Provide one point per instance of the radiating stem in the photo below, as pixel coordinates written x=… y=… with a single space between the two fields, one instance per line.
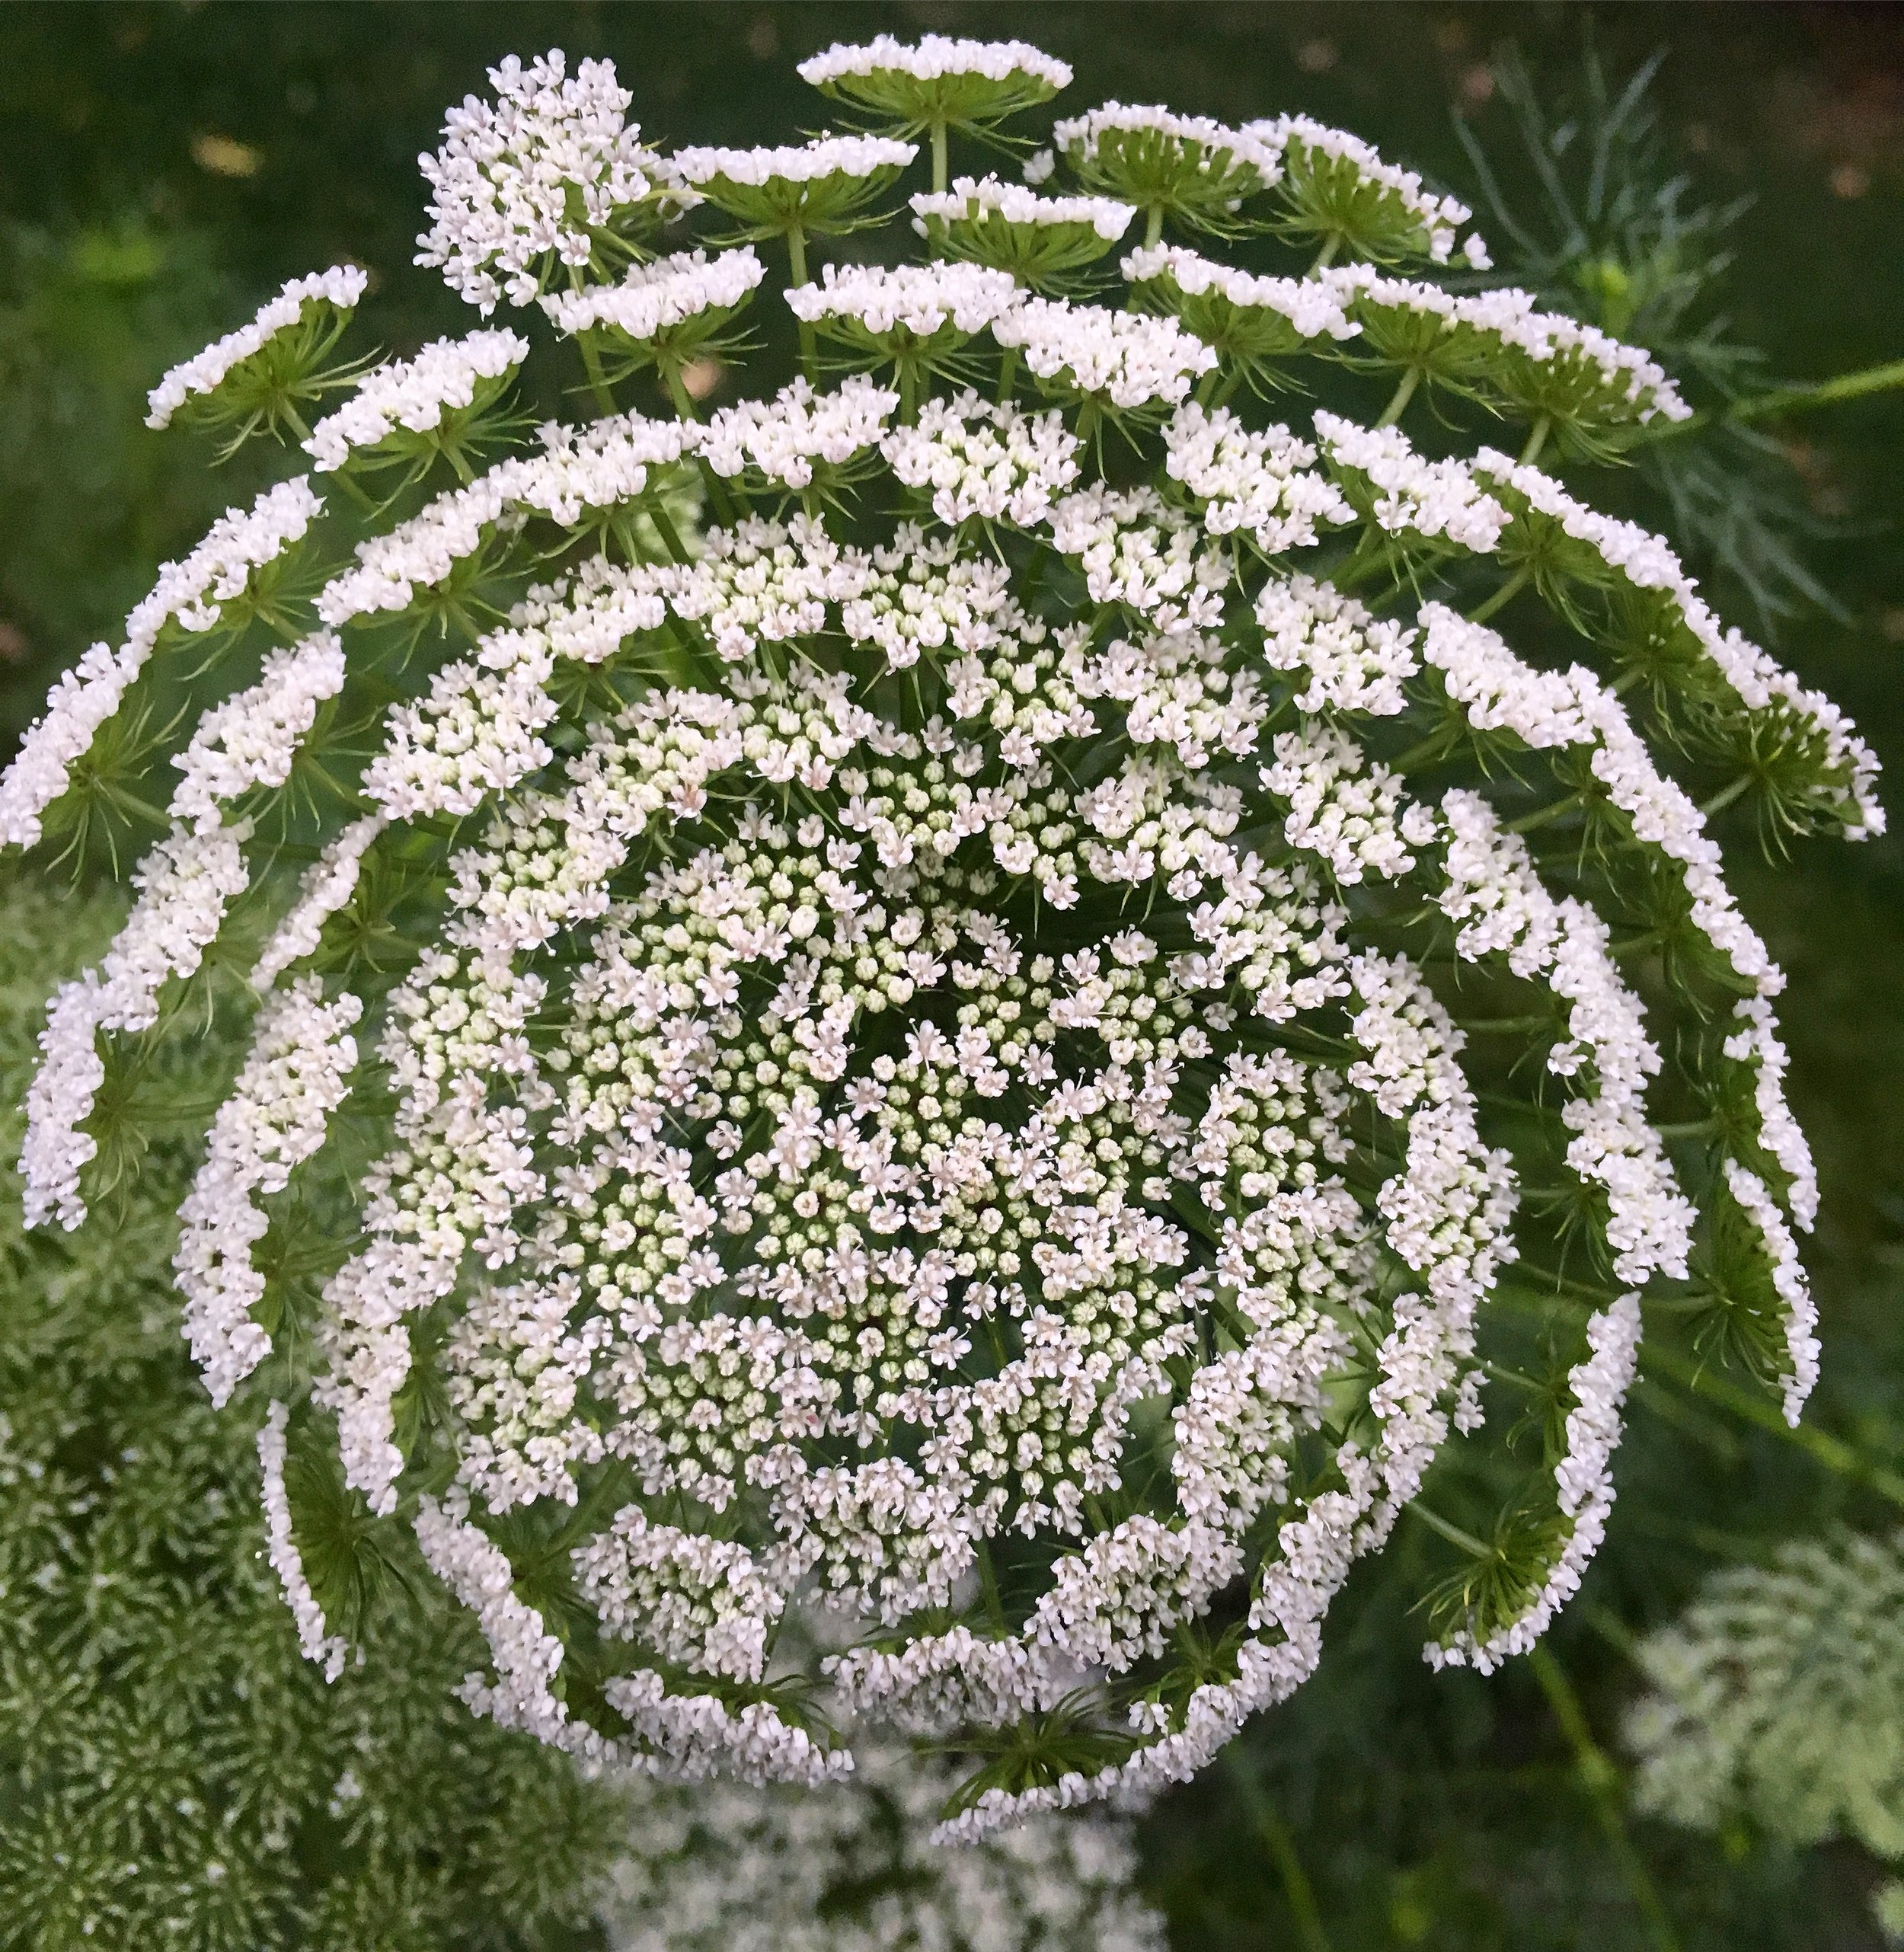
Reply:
x=1542 y=815
x=598 y=380
x=1297 y=1890
x=1885 y=378
x=1511 y=588
x=1398 y=400
x=1326 y=255
x=1600 y=1780
x=796 y=265
x=1008 y=373
x=1536 y=440
x=1466 y=1541
x=1832 y=1453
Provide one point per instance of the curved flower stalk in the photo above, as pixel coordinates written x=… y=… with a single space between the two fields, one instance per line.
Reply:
x=919 y=1097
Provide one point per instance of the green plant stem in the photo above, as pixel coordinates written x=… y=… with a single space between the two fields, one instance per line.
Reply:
x=1268 y=1820
x=1601 y=1780
x=1008 y=373
x=1511 y=588
x=1153 y=227
x=1326 y=255
x=796 y=268
x=1536 y=440
x=1466 y=1541
x=1398 y=400
x=1542 y=815
x=1885 y=378
x=1846 y=1460
x=939 y=176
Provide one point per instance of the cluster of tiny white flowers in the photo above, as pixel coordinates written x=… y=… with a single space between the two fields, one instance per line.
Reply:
x=413 y=394
x=190 y=595
x=901 y=1006
x=804 y=162
x=1583 y=1487
x=296 y=1074
x=921 y=299
x=1313 y=306
x=934 y=56
x=203 y=374
x=329 y=1651
x=1798 y=1311
x=997 y=463
x=504 y=180
x=1127 y=359
x=1439 y=216
x=654 y=297
x=989 y=196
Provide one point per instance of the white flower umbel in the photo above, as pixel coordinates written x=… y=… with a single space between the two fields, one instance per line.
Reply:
x=340 y=288
x=1644 y=561
x=1797 y=1310
x=277 y=1115
x=973 y=199
x=935 y=57
x=725 y=1869
x=1261 y=484
x=527 y=178
x=921 y=299
x=414 y=394
x=328 y=885
x=781 y=440
x=653 y=297
x=1582 y=1483
x=190 y=595
x=1312 y=307
x=907 y=1000
x=1121 y=359
x=1434 y=221
x=992 y=462
x=328 y=1651
x=252 y=738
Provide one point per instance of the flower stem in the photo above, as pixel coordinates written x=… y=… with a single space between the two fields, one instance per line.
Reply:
x=1600 y=1780
x=938 y=158
x=1541 y=815
x=797 y=265
x=1297 y=1890
x=1466 y=1541
x=1845 y=1460
x=1511 y=588
x=1153 y=227
x=1536 y=440
x=1885 y=378
x=1398 y=400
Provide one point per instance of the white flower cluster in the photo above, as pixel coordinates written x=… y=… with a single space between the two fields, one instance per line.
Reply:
x=654 y=297
x=528 y=177
x=294 y=1078
x=1440 y=217
x=728 y=1869
x=1124 y=359
x=933 y=57
x=911 y=1024
x=190 y=595
x=799 y=163
x=330 y=1651
x=1312 y=306
x=921 y=299
x=972 y=197
x=1583 y=1487
x=203 y=373
x=413 y=394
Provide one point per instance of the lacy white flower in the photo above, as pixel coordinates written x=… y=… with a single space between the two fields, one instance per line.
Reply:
x=898 y=948
x=514 y=176
x=934 y=57
x=413 y=394
x=653 y=297
x=203 y=373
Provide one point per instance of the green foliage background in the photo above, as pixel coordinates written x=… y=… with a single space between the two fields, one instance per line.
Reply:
x=163 y=166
